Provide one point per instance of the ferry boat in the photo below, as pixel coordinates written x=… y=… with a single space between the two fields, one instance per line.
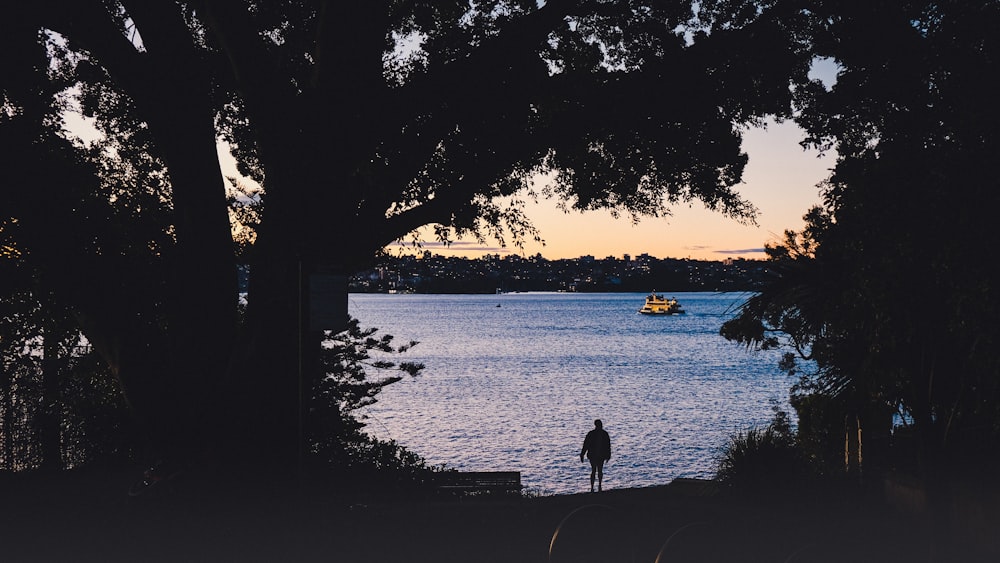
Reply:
x=660 y=305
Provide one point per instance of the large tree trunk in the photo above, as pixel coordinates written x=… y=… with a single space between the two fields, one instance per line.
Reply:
x=279 y=361
x=268 y=385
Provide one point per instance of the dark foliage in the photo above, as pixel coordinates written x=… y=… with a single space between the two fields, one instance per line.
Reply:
x=342 y=457
x=95 y=427
x=764 y=462
x=60 y=407
x=452 y=108
x=890 y=289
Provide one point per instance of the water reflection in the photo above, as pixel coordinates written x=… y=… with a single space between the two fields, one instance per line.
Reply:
x=516 y=387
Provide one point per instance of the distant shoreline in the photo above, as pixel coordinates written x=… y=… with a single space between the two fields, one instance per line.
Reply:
x=549 y=291
x=492 y=274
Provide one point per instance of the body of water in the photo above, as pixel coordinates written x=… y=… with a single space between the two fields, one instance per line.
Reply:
x=513 y=382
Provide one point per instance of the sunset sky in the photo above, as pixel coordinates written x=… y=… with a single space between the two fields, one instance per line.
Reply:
x=780 y=179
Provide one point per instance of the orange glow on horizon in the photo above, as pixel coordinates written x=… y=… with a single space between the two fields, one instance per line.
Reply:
x=780 y=179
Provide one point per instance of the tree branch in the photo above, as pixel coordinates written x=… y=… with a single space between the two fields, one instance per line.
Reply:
x=261 y=82
x=88 y=24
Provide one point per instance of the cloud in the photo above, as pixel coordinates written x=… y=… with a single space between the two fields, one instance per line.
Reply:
x=742 y=251
x=731 y=251
x=459 y=246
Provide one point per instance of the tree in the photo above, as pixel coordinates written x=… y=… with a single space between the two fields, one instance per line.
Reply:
x=335 y=437
x=363 y=121
x=893 y=294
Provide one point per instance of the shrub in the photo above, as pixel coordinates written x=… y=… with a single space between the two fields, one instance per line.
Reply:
x=762 y=461
x=343 y=458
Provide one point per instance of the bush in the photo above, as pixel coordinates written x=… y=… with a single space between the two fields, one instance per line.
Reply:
x=762 y=461
x=343 y=459
x=356 y=464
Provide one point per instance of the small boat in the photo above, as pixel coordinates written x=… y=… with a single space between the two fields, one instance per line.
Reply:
x=660 y=305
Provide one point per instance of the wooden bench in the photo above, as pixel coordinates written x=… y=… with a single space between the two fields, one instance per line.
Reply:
x=478 y=482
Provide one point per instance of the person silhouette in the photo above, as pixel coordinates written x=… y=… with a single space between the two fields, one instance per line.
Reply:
x=597 y=448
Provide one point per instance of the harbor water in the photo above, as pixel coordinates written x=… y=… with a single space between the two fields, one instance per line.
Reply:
x=514 y=381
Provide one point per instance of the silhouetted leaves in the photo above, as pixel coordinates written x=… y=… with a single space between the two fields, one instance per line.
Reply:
x=890 y=287
x=362 y=121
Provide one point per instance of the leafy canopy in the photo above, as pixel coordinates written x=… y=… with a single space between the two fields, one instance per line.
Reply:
x=890 y=288
x=361 y=121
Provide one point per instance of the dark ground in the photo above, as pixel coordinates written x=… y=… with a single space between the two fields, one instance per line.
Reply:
x=89 y=517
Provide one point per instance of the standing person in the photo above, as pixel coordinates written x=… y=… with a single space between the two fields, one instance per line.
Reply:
x=597 y=447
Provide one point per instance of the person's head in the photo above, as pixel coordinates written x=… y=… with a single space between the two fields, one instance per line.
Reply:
x=598 y=423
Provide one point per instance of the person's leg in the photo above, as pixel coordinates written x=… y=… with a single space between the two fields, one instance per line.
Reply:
x=600 y=474
x=593 y=471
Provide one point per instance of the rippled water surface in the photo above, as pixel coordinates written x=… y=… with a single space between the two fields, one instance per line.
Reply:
x=514 y=382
